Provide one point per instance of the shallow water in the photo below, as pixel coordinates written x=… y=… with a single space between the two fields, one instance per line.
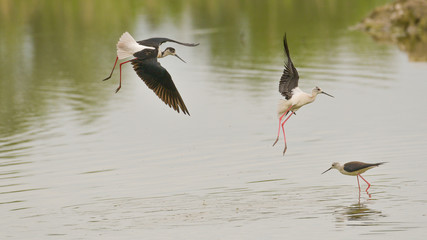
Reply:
x=78 y=161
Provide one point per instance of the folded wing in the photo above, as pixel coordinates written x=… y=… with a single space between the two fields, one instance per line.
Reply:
x=356 y=166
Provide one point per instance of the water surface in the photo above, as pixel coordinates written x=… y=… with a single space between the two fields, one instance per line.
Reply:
x=78 y=161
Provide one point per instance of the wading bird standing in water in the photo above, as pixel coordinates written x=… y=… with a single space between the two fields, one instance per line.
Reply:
x=354 y=169
x=295 y=97
x=149 y=69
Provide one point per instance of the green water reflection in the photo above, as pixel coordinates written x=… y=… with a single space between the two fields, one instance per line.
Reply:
x=53 y=53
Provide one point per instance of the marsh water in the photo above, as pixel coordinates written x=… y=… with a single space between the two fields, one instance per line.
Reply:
x=78 y=161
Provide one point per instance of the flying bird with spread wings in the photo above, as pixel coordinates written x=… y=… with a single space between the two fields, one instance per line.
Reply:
x=157 y=78
x=295 y=98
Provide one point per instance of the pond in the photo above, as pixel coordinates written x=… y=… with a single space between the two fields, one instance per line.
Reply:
x=78 y=161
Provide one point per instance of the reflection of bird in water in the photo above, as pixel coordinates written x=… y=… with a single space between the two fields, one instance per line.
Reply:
x=354 y=169
x=149 y=69
x=295 y=97
x=358 y=212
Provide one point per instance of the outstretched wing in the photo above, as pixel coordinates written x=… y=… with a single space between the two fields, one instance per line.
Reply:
x=289 y=79
x=159 y=80
x=156 y=42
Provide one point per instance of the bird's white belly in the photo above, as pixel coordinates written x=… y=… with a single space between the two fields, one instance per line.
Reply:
x=283 y=106
x=297 y=101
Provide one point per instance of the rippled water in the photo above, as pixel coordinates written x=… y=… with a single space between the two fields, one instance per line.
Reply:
x=80 y=162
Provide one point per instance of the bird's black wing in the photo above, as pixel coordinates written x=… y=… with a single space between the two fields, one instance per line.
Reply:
x=146 y=54
x=156 y=42
x=159 y=80
x=355 y=166
x=289 y=79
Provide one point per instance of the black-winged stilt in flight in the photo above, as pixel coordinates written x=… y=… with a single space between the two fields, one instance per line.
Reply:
x=295 y=98
x=149 y=69
x=354 y=169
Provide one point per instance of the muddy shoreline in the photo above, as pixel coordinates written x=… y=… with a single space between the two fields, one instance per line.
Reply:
x=403 y=22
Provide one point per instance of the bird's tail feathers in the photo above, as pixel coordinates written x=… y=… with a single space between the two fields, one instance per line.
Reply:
x=127 y=46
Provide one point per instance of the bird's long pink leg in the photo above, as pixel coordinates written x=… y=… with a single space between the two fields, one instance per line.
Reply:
x=284 y=136
x=358 y=184
x=280 y=121
x=369 y=185
x=117 y=58
x=120 y=83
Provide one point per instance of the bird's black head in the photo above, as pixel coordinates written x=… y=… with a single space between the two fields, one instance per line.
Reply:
x=170 y=51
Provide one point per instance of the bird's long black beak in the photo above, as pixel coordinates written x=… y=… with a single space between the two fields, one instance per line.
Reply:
x=328 y=94
x=176 y=55
x=327 y=170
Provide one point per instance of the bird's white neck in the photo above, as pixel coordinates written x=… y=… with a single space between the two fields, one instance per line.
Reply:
x=340 y=168
x=160 y=54
x=311 y=97
x=314 y=94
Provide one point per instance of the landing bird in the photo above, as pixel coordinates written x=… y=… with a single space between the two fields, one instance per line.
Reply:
x=149 y=69
x=295 y=97
x=354 y=169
